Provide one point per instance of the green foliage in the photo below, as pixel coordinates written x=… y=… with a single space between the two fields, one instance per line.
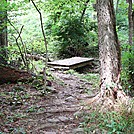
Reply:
x=32 y=109
x=19 y=130
x=127 y=51
x=67 y=36
x=93 y=78
x=32 y=40
x=115 y=123
x=70 y=36
x=121 y=15
x=122 y=22
x=128 y=67
x=36 y=47
x=70 y=71
x=110 y=123
x=3 y=5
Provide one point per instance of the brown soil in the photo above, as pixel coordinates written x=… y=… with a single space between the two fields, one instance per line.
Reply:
x=24 y=110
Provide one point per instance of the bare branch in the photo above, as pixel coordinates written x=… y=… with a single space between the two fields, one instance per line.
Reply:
x=24 y=58
x=45 y=42
x=130 y=20
x=84 y=10
x=16 y=39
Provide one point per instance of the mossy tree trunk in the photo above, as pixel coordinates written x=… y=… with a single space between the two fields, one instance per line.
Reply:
x=109 y=48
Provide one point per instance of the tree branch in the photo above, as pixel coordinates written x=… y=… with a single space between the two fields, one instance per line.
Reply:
x=130 y=20
x=24 y=58
x=16 y=39
x=84 y=10
x=117 y=6
x=45 y=42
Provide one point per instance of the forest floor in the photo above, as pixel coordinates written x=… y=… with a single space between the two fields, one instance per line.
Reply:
x=24 y=110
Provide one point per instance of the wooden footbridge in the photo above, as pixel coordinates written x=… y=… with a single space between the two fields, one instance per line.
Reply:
x=71 y=63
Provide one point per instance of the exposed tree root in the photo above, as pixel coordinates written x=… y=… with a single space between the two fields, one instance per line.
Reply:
x=107 y=102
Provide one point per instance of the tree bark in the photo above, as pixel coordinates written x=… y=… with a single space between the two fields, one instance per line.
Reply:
x=133 y=25
x=133 y=22
x=131 y=30
x=3 y=36
x=130 y=21
x=109 y=48
x=12 y=75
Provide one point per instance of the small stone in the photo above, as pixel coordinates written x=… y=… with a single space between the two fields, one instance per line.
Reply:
x=47 y=126
x=77 y=114
x=70 y=98
x=48 y=115
x=63 y=118
x=78 y=131
x=50 y=132
x=53 y=120
x=97 y=131
x=51 y=89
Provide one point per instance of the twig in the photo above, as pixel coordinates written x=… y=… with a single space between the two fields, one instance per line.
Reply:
x=16 y=39
x=117 y=6
x=45 y=43
x=24 y=58
x=84 y=10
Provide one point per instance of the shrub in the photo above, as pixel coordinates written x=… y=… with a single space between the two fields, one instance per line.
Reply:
x=128 y=68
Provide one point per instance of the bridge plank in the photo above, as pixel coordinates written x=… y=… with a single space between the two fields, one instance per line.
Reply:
x=71 y=63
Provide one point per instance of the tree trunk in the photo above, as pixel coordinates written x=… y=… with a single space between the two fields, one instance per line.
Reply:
x=131 y=30
x=133 y=23
x=117 y=4
x=109 y=48
x=3 y=37
x=130 y=21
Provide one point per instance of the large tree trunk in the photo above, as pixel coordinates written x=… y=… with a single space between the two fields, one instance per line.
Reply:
x=3 y=36
x=109 y=48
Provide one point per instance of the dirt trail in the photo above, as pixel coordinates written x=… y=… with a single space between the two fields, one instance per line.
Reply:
x=57 y=113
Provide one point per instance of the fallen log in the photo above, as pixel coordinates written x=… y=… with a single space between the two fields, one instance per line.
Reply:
x=10 y=74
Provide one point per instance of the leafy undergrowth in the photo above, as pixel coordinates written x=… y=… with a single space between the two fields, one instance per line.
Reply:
x=18 y=100
x=15 y=103
x=108 y=123
x=110 y=116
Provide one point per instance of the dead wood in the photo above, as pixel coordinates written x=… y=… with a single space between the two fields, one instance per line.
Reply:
x=10 y=74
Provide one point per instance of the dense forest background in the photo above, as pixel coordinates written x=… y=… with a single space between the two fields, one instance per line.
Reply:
x=70 y=28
